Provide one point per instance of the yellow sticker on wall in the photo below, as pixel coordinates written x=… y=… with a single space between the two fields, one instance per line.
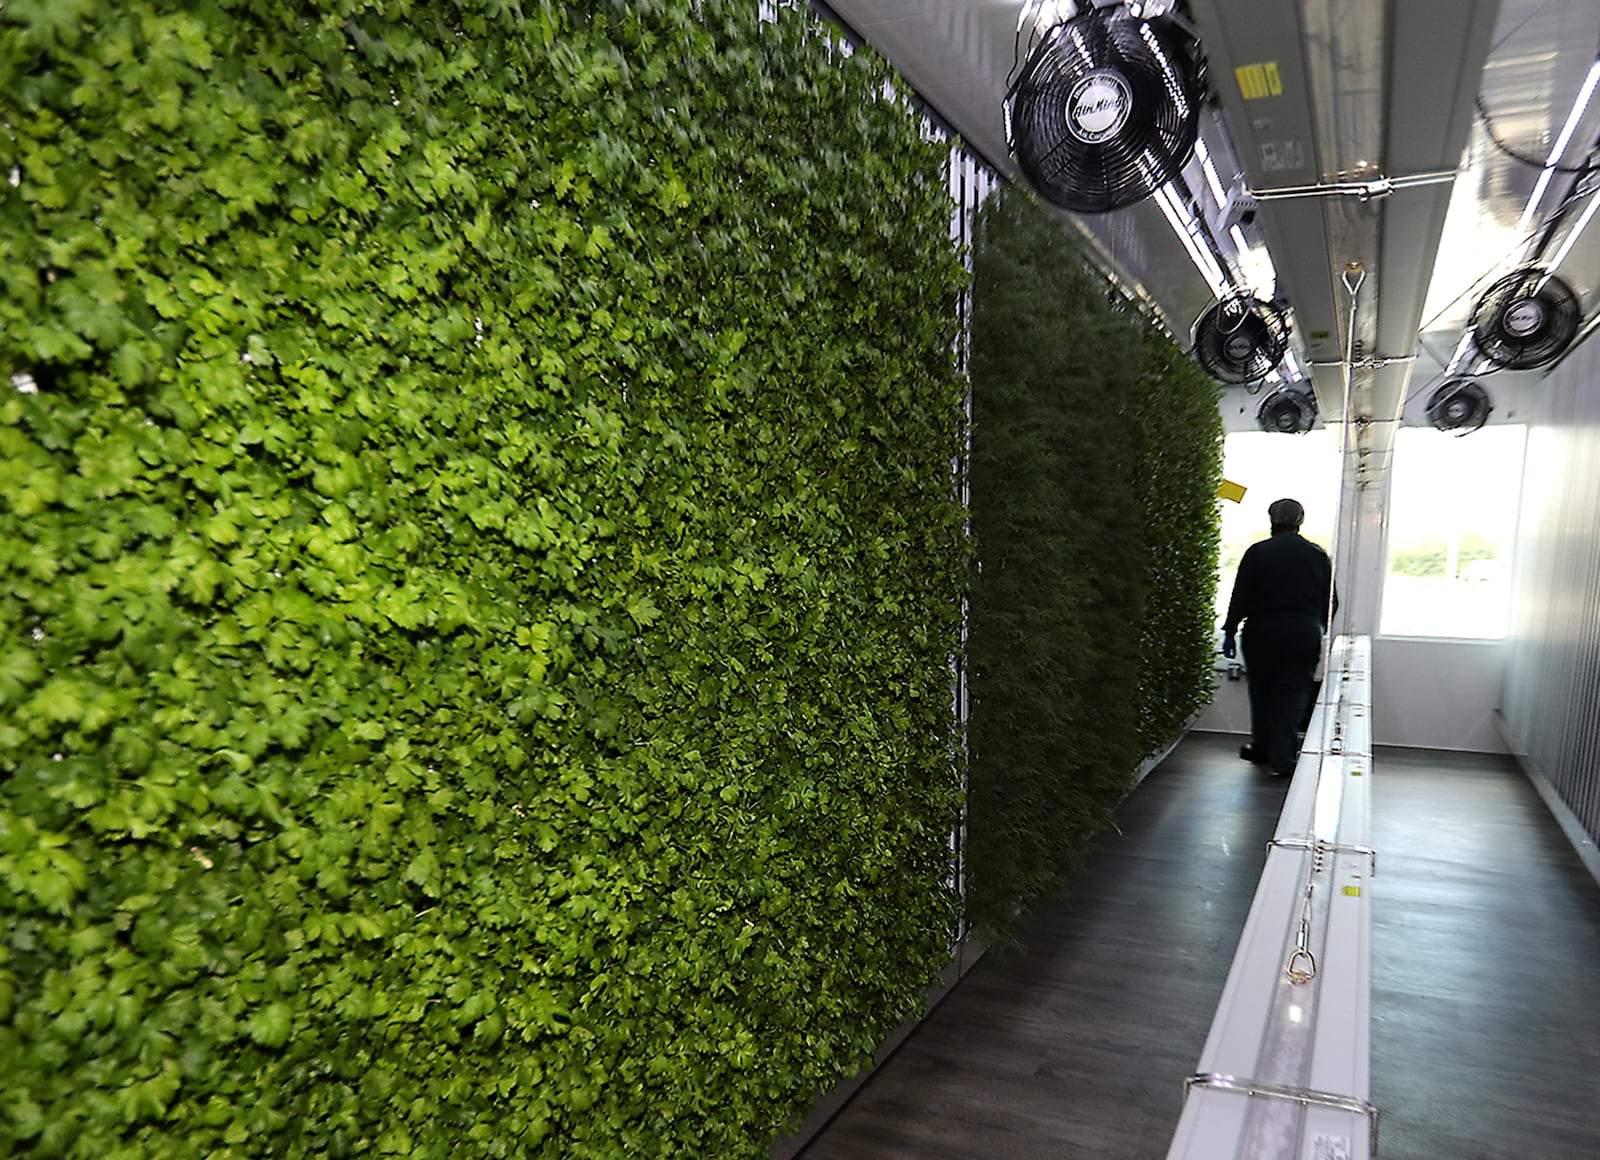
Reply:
x=1231 y=490
x=1353 y=891
x=1259 y=80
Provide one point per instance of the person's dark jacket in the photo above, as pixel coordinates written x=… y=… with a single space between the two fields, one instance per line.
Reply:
x=1285 y=574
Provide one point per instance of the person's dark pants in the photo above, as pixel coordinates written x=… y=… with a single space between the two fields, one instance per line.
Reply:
x=1280 y=654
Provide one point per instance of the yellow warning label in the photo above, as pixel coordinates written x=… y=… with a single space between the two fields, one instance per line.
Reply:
x=1259 y=80
x=1353 y=891
x=1231 y=490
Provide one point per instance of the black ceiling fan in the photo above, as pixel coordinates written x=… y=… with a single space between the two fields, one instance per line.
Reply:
x=1106 y=109
x=1289 y=410
x=1461 y=405
x=1526 y=319
x=1241 y=339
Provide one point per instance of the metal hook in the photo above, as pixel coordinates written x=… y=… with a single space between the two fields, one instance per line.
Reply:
x=1302 y=964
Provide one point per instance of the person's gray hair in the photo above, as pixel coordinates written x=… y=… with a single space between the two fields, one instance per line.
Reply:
x=1286 y=513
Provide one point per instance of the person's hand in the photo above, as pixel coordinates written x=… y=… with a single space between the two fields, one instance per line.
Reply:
x=1230 y=649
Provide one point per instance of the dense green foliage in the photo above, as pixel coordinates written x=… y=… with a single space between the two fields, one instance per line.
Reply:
x=1096 y=459
x=479 y=575
x=1176 y=430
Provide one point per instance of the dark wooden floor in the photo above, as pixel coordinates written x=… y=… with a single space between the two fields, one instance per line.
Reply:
x=1485 y=968
x=1485 y=1001
x=1078 y=1043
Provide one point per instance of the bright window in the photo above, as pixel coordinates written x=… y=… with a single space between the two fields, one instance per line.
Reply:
x=1452 y=521
x=1272 y=466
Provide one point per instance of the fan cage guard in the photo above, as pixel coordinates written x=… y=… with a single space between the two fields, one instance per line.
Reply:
x=1526 y=319
x=1241 y=339
x=1460 y=405
x=1287 y=411
x=1106 y=110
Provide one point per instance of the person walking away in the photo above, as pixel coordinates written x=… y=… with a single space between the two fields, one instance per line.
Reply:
x=1282 y=595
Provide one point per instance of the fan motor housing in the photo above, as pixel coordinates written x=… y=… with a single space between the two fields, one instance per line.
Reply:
x=1098 y=106
x=1524 y=317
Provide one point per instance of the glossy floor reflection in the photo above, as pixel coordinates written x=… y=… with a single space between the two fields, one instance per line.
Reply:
x=1485 y=1001
x=1485 y=968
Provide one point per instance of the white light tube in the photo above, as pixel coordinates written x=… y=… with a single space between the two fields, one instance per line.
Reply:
x=1210 y=170
x=1175 y=216
x=1461 y=351
x=1572 y=234
x=1560 y=147
x=1178 y=219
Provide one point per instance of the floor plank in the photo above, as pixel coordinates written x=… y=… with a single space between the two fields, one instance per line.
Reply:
x=1485 y=967
x=1486 y=980
x=1077 y=1043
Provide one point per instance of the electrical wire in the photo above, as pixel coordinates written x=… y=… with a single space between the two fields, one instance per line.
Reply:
x=1016 y=57
x=1540 y=239
x=1576 y=192
x=1515 y=155
x=1236 y=299
x=1505 y=259
x=1029 y=18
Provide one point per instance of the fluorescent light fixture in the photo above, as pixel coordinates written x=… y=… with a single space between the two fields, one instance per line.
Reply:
x=1183 y=224
x=1292 y=361
x=1213 y=180
x=1255 y=264
x=1462 y=349
x=1560 y=147
x=1046 y=14
x=1572 y=235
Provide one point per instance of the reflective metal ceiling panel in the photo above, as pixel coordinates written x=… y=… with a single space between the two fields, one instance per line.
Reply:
x=1539 y=56
x=1367 y=89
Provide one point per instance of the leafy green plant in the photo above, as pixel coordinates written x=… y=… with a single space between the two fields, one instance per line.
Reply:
x=480 y=573
x=1096 y=458
x=1177 y=430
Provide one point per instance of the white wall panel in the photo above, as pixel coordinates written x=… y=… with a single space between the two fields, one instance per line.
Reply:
x=1551 y=697
x=1437 y=694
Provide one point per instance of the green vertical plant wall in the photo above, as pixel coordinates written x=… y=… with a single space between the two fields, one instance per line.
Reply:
x=1095 y=463
x=479 y=575
x=1177 y=434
